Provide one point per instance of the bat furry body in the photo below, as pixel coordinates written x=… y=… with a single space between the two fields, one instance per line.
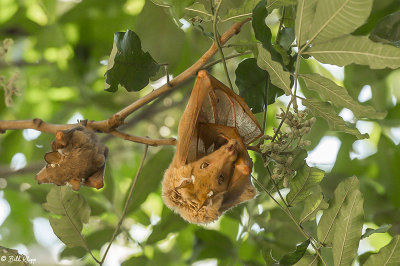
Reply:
x=77 y=158
x=210 y=172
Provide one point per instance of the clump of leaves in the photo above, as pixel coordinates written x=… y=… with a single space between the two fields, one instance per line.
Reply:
x=9 y=86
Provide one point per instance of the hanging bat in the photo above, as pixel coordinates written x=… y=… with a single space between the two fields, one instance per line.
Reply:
x=210 y=172
x=77 y=158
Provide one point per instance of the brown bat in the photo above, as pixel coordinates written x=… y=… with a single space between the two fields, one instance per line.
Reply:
x=210 y=172
x=77 y=158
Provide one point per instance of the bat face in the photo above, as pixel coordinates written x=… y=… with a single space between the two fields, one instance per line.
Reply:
x=210 y=172
x=198 y=188
x=77 y=158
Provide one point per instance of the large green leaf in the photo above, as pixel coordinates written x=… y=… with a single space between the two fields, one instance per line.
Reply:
x=387 y=30
x=128 y=65
x=295 y=256
x=301 y=186
x=251 y=81
x=74 y=212
x=278 y=76
x=308 y=260
x=335 y=122
x=304 y=17
x=348 y=228
x=330 y=215
x=356 y=49
x=388 y=255
x=334 y=18
x=312 y=205
x=330 y=91
x=150 y=177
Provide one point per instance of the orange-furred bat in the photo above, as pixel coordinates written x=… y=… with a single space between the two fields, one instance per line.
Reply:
x=210 y=172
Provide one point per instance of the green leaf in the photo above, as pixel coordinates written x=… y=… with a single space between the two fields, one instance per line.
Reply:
x=150 y=178
x=98 y=238
x=308 y=260
x=273 y=4
x=77 y=252
x=356 y=49
x=382 y=229
x=210 y=248
x=128 y=64
x=286 y=38
x=295 y=256
x=74 y=212
x=141 y=260
x=387 y=30
x=304 y=17
x=312 y=205
x=335 y=18
x=302 y=184
x=246 y=8
x=330 y=215
x=330 y=91
x=388 y=255
x=335 y=122
x=170 y=222
x=262 y=31
x=251 y=81
x=9 y=256
x=278 y=76
x=348 y=228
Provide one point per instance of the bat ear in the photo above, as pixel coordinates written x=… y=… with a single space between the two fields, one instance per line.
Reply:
x=53 y=157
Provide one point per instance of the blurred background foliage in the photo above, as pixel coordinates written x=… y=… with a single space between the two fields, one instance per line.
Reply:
x=60 y=51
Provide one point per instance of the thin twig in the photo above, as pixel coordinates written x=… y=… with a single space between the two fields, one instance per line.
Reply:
x=126 y=204
x=226 y=58
x=147 y=141
x=216 y=40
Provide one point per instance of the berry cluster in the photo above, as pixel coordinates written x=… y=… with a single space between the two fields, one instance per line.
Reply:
x=282 y=148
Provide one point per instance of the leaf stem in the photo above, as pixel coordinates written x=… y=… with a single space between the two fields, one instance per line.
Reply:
x=217 y=42
x=126 y=204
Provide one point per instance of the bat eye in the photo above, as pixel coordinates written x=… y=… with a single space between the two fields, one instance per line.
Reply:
x=221 y=179
x=204 y=165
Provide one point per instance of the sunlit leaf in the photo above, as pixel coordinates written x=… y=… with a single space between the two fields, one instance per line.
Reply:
x=312 y=205
x=302 y=184
x=295 y=256
x=74 y=212
x=382 y=229
x=387 y=30
x=388 y=255
x=129 y=65
x=278 y=76
x=329 y=218
x=337 y=95
x=308 y=260
x=334 y=18
x=335 y=122
x=356 y=49
x=348 y=227
x=304 y=17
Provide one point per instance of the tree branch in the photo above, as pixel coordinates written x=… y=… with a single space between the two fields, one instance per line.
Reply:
x=147 y=141
x=109 y=125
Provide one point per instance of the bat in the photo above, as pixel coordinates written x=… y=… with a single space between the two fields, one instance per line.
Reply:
x=210 y=172
x=77 y=158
